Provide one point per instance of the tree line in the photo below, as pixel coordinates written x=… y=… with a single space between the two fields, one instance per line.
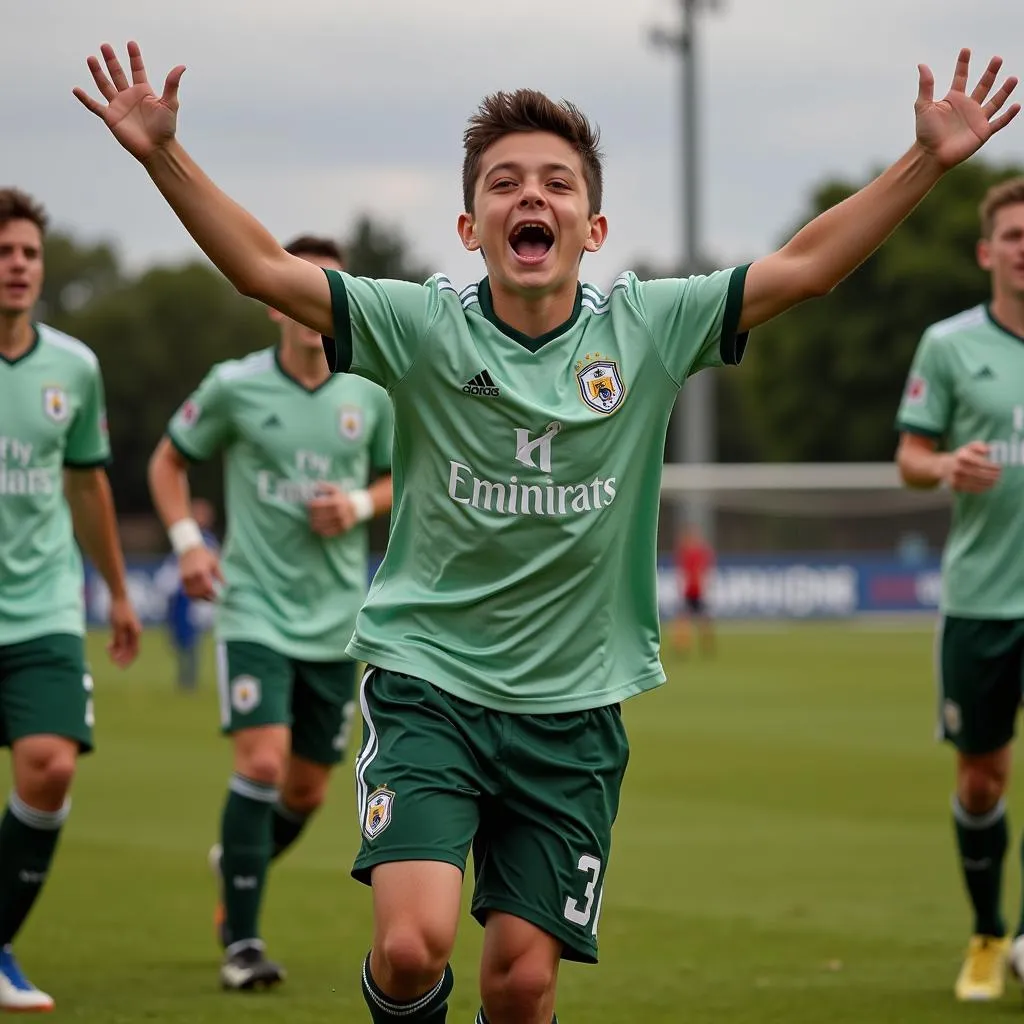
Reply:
x=820 y=383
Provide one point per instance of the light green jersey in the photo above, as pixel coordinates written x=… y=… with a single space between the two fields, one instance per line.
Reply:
x=967 y=384
x=51 y=416
x=520 y=571
x=286 y=586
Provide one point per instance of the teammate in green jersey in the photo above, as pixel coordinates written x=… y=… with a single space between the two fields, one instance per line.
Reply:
x=516 y=606
x=962 y=424
x=299 y=445
x=53 y=486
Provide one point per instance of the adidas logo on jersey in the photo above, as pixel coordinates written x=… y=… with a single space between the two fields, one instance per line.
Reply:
x=273 y=420
x=481 y=384
x=985 y=373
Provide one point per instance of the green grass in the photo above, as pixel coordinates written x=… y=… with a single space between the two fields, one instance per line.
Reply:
x=783 y=853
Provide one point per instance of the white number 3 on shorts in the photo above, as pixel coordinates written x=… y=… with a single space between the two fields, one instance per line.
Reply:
x=573 y=912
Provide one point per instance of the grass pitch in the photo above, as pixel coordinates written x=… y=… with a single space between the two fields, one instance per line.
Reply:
x=784 y=853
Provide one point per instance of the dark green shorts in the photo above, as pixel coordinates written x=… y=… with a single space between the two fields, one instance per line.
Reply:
x=534 y=796
x=981 y=669
x=46 y=689
x=316 y=699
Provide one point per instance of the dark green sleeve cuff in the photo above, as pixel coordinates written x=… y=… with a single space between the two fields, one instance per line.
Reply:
x=913 y=428
x=90 y=464
x=339 y=348
x=183 y=450
x=733 y=344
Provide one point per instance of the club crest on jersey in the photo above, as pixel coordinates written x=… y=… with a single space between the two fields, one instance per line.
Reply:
x=350 y=422
x=245 y=693
x=56 y=404
x=378 y=812
x=600 y=384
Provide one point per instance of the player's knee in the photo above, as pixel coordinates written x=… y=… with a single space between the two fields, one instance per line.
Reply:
x=521 y=986
x=413 y=954
x=303 y=799
x=263 y=766
x=980 y=786
x=48 y=778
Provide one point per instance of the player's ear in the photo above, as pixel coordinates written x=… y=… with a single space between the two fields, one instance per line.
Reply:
x=983 y=253
x=598 y=233
x=467 y=232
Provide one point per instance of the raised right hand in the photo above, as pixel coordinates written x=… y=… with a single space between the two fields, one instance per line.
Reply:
x=970 y=471
x=200 y=573
x=139 y=119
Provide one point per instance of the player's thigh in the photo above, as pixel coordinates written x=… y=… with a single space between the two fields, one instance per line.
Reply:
x=46 y=690
x=323 y=708
x=543 y=849
x=254 y=685
x=419 y=773
x=979 y=681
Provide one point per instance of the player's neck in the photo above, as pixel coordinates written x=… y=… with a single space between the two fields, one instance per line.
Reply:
x=305 y=365
x=16 y=335
x=533 y=317
x=1008 y=310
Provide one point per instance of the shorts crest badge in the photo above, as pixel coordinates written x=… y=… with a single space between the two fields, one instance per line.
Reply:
x=56 y=404
x=378 y=812
x=350 y=422
x=600 y=383
x=951 y=716
x=245 y=693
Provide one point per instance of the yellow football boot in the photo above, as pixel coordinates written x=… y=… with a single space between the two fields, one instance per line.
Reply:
x=983 y=975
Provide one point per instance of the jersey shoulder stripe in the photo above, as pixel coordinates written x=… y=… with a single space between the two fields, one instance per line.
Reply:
x=51 y=336
x=969 y=318
x=249 y=366
x=442 y=283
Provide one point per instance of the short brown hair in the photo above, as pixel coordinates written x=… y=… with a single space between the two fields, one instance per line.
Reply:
x=1006 y=193
x=527 y=110
x=317 y=246
x=18 y=205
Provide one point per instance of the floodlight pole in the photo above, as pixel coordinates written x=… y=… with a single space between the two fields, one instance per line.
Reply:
x=693 y=432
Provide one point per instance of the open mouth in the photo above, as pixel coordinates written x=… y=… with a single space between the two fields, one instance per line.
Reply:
x=531 y=241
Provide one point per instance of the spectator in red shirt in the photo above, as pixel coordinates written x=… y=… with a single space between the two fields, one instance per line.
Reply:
x=694 y=560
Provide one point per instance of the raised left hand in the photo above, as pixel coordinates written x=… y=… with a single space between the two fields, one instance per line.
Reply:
x=331 y=513
x=125 y=631
x=958 y=125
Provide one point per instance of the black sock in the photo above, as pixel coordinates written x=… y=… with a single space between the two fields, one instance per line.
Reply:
x=28 y=838
x=286 y=827
x=429 y=1008
x=982 y=840
x=245 y=842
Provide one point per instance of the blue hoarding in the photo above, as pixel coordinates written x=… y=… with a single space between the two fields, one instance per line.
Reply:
x=755 y=587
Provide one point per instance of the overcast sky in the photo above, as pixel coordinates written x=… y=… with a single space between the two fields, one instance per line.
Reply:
x=310 y=111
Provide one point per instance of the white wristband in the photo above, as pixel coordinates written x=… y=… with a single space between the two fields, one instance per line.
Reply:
x=185 y=535
x=362 y=504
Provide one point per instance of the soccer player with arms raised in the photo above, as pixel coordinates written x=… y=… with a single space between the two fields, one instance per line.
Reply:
x=962 y=425
x=517 y=605
x=53 y=486
x=299 y=445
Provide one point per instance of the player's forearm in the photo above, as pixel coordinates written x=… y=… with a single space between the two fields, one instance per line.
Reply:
x=241 y=248
x=836 y=242
x=168 y=487
x=381 y=494
x=95 y=522
x=923 y=469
